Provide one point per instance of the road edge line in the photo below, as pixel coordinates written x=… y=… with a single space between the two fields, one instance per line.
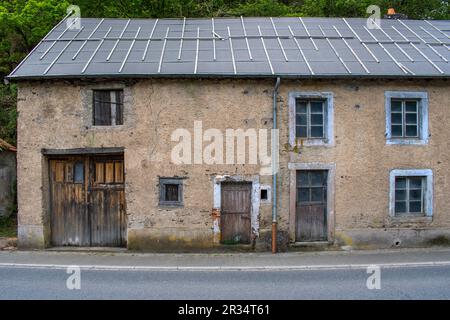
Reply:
x=229 y=268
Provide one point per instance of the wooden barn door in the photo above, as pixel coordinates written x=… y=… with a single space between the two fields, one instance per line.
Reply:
x=311 y=211
x=235 y=218
x=107 y=202
x=68 y=201
x=87 y=201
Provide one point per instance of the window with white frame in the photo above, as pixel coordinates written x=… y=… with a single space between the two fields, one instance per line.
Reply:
x=411 y=193
x=406 y=117
x=311 y=118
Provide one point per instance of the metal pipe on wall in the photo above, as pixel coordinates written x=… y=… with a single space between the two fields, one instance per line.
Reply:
x=274 y=170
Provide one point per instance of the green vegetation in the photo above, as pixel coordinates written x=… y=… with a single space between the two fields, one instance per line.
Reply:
x=8 y=227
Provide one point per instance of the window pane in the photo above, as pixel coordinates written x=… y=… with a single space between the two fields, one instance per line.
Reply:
x=396 y=118
x=400 y=195
x=411 y=118
x=396 y=106
x=171 y=193
x=411 y=106
x=415 y=206
x=316 y=119
x=415 y=183
x=317 y=178
x=400 y=183
x=317 y=132
x=400 y=206
x=303 y=194
x=302 y=178
x=300 y=119
x=396 y=130
x=301 y=132
x=411 y=131
x=301 y=107
x=78 y=176
x=102 y=107
x=316 y=106
x=415 y=194
x=317 y=194
x=119 y=107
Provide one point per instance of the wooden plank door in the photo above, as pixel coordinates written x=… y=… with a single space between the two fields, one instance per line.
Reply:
x=107 y=202
x=311 y=208
x=69 y=214
x=235 y=219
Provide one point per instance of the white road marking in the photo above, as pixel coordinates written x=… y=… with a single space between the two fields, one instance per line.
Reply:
x=231 y=268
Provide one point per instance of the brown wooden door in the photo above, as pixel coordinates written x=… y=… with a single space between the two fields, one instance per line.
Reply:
x=235 y=219
x=311 y=209
x=107 y=202
x=87 y=205
x=68 y=194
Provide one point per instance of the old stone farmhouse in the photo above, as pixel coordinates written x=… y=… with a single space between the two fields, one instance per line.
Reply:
x=361 y=110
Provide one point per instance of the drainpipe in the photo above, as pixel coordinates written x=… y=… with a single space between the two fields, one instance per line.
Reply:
x=274 y=173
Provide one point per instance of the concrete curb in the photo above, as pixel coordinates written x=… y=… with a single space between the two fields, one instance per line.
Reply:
x=229 y=268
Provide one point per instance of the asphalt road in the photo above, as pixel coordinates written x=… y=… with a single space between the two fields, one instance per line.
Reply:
x=431 y=282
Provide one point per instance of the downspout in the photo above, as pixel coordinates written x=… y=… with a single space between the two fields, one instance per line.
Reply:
x=274 y=170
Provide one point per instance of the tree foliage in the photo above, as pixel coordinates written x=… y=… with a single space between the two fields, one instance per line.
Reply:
x=22 y=25
x=24 y=22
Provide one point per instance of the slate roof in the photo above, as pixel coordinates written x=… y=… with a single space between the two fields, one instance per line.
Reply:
x=240 y=47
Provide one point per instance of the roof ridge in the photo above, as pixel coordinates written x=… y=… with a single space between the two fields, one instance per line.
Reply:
x=254 y=17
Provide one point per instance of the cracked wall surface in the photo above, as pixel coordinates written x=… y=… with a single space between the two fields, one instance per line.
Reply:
x=56 y=115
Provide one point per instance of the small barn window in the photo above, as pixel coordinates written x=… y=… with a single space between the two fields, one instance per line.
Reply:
x=78 y=175
x=109 y=172
x=170 y=192
x=108 y=107
x=265 y=194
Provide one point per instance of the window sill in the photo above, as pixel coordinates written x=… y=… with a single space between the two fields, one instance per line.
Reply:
x=170 y=206
x=406 y=219
x=315 y=143
x=394 y=141
x=115 y=127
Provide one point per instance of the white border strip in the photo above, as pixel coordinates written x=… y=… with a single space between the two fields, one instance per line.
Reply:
x=231 y=268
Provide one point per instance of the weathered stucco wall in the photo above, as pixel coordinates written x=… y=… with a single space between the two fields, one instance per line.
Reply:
x=57 y=115
x=364 y=160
